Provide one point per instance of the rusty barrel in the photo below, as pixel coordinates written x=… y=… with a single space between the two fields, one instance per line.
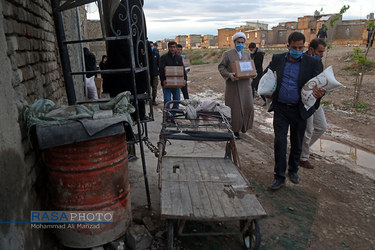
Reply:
x=91 y=176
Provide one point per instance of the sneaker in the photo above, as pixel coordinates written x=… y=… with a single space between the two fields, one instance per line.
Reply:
x=277 y=184
x=293 y=177
x=306 y=164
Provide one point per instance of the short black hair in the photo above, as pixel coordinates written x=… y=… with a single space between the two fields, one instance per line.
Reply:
x=296 y=36
x=316 y=42
x=171 y=43
x=179 y=46
x=252 y=45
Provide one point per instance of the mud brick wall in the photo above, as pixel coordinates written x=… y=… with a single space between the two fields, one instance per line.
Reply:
x=30 y=69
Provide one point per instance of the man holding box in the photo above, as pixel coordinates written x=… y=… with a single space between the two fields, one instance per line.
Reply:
x=237 y=69
x=171 y=59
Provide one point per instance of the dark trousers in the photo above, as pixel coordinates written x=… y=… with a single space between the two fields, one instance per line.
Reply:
x=284 y=117
x=184 y=90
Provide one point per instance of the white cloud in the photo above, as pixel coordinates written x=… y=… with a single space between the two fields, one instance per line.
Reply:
x=166 y=19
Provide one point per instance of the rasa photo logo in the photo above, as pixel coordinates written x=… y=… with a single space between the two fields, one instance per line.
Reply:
x=70 y=219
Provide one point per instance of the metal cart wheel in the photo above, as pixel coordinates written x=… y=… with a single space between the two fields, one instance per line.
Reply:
x=170 y=234
x=251 y=236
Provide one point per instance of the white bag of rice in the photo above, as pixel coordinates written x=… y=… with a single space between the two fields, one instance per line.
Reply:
x=267 y=84
x=325 y=80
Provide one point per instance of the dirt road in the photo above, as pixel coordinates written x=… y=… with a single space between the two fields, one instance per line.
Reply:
x=334 y=205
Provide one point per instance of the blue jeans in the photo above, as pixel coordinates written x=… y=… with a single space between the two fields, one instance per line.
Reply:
x=168 y=92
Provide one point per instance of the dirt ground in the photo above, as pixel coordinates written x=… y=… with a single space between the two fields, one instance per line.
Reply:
x=334 y=205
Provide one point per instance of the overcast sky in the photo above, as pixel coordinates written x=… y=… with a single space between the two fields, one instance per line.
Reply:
x=167 y=19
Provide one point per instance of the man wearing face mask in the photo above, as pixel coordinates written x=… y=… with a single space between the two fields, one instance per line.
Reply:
x=293 y=70
x=316 y=124
x=257 y=55
x=238 y=93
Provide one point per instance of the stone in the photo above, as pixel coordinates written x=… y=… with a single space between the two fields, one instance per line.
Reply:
x=138 y=238
x=148 y=223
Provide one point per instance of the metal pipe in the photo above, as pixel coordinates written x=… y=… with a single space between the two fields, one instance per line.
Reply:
x=64 y=55
x=132 y=56
x=81 y=47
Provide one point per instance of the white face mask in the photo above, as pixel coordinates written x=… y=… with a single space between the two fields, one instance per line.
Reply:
x=252 y=52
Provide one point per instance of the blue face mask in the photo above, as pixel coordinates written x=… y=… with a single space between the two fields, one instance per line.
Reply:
x=295 y=54
x=239 y=46
x=318 y=57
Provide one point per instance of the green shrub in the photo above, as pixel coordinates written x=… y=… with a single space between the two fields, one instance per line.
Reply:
x=361 y=106
x=346 y=68
x=325 y=103
x=197 y=62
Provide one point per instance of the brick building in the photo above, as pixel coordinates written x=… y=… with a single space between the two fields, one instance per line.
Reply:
x=342 y=32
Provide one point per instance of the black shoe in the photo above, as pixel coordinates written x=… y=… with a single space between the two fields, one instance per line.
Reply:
x=237 y=135
x=277 y=184
x=293 y=177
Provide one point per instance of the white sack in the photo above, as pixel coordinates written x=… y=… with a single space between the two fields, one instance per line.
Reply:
x=92 y=93
x=325 y=80
x=267 y=84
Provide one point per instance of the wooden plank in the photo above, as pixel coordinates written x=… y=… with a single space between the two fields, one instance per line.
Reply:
x=230 y=200
x=199 y=199
x=165 y=198
x=206 y=189
x=210 y=175
x=217 y=207
x=186 y=199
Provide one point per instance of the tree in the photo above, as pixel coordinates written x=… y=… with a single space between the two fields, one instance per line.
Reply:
x=332 y=23
x=361 y=64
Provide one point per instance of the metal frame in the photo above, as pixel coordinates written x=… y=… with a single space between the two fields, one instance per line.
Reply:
x=136 y=29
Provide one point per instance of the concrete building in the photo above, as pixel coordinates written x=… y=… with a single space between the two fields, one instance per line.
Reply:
x=209 y=41
x=193 y=41
x=255 y=26
x=181 y=39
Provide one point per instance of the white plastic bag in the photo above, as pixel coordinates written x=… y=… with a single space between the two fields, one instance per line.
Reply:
x=267 y=84
x=325 y=80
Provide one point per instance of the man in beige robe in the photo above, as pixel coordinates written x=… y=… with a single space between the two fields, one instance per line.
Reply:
x=238 y=92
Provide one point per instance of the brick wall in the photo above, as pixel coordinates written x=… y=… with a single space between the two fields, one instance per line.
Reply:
x=30 y=70
x=29 y=30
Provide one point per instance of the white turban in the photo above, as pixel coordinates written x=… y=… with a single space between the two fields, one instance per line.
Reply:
x=239 y=35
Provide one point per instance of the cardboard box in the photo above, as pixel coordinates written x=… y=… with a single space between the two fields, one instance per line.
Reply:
x=186 y=62
x=243 y=69
x=174 y=71
x=174 y=82
x=99 y=86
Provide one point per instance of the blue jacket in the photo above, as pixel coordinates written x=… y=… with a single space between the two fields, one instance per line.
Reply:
x=309 y=68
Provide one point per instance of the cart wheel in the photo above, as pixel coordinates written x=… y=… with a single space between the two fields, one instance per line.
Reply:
x=170 y=234
x=251 y=236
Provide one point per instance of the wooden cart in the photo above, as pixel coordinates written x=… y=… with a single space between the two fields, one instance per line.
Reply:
x=205 y=188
